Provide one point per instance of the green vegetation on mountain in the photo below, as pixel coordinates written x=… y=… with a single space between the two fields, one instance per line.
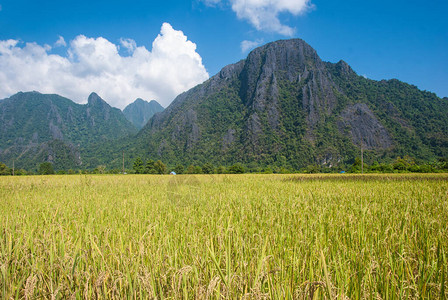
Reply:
x=36 y=128
x=284 y=107
x=281 y=109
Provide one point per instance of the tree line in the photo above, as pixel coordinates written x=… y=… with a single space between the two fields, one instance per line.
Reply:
x=399 y=165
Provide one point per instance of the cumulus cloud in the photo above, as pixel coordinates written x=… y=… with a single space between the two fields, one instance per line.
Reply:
x=128 y=44
x=60 y=42
x=95 y=64
x=249 y=45
x=264 y=14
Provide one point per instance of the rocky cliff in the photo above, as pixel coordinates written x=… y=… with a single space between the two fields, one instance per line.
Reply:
x=284 y=106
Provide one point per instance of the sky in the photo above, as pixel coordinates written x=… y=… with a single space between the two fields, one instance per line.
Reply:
x=131 y=49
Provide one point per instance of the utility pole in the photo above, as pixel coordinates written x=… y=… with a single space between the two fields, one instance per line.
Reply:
x=362 y=159
x=123 y=161
x=13 y=167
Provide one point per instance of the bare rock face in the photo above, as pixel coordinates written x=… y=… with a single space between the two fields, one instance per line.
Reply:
x=228 y=139
x=293 y=61
x=362 y=125
x=190 y=123
x=260 y=82
x=186 y=131
x=283 y=101
x=55 y=131
x=318 y=98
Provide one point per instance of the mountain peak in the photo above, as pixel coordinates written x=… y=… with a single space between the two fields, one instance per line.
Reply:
x=296 y=47
x=140 y=111
x=284 y=43
x=48 y=127
x=95 y=100
x=284 y=101
x=344 y=68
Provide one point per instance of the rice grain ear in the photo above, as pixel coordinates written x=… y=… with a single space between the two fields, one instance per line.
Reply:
x=29 y=286
x=54 y=295
x=211 y=287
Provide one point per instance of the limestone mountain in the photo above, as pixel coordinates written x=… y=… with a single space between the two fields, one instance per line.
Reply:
x=284 y=106
x=140 y=111
x=38 y=127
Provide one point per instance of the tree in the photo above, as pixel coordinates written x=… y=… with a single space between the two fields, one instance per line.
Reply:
x=221 y=170
x=150 y=167
x=443 y=164
x=4 y=170
x=311 y=169
x=375 y=167
x=400 y=164
x=179 y=169
x=46 y=168
x=197 y=170
x=160 y=167
x=236 y=169
x=268 y=170
x=208 y=168
x=356 y=167
x=138 y=166
x=22 y=172
x=101 y=169
x=190 y=169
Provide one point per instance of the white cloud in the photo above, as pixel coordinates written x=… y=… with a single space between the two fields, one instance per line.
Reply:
x=264 y=14
x=249 y=45
x=94 y=64
x=60 y=42
x=211 y=2
x=129 y=44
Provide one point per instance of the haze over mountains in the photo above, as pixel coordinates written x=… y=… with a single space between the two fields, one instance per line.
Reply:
x=140 y=111
x=282 y=106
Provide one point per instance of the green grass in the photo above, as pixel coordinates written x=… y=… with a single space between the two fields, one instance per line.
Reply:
x=224 y=236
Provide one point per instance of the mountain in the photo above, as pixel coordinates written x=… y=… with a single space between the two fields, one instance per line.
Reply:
x=284 y=106
x=39 y=127
x=140 y=111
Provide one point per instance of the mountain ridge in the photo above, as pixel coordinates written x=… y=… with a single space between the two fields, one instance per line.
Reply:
x=282 y=106
x=283 y=103
x=47 y=127
x=140 y=111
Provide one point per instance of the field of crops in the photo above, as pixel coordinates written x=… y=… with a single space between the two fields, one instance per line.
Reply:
x=224 y=236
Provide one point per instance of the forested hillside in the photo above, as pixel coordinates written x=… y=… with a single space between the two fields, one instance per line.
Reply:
x=37 y=127
x=284 y=106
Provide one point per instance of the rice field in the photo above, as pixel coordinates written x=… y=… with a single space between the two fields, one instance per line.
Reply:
x=224 y=237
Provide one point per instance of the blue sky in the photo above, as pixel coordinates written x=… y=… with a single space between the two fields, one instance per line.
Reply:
x=380 y=39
